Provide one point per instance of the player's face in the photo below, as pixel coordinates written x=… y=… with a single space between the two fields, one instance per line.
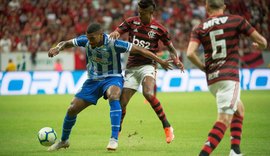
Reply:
x=95 y=38
x=145 y=14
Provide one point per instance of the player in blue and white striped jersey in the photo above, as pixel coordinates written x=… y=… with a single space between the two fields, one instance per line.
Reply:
x=104 y=78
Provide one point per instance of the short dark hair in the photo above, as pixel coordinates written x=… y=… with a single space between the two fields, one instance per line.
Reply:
x=147 y=3
x=94 y=27
x=215 y=4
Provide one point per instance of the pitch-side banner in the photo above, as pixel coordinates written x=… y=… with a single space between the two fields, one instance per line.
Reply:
x=68 y=82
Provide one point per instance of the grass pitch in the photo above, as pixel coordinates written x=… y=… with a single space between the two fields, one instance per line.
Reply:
x=191 y=114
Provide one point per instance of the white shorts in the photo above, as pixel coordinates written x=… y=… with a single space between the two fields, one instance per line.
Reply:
x=135 y=75
x=227 y=95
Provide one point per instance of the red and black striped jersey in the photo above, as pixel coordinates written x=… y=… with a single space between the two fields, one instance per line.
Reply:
x=219 y=36
x=146 y=36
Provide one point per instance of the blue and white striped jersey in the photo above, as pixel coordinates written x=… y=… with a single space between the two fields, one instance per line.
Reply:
x=105 y=60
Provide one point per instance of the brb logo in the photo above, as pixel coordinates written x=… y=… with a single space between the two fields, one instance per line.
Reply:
x=141 y=43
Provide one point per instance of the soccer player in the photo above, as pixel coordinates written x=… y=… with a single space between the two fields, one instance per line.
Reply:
x=145 y=32
x=104 y=78
x=219 y=35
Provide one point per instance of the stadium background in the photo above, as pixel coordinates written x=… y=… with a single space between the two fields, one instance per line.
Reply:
x=28 y=28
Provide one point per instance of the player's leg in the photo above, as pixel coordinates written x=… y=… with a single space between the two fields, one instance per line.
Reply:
x=131 y=85
x=227 y=95
x=126 y=95
x=148 y=85
x=236 y=129
x=112 y=89
x=89 y=94
x=77 y=105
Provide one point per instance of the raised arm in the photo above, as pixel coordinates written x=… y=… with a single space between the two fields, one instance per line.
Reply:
x=144 y=52
x=174 y=57
x=60 y=46
x=258 y=40
x=192 y=55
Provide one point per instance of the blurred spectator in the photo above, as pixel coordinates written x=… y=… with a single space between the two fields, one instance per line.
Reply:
x=37 y=24
x=80 y=59
x=58 y=65
x=11 y=66
x=5 y=43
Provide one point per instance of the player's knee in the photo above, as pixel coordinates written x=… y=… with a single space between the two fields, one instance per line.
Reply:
x=225 y=121
x=240 y=109
x=148 y=95
x=114 y=96
x=72 y=110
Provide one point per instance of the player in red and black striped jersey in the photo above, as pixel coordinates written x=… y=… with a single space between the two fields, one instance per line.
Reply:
x=219 y=35
x=146 y=36
x=145 y=32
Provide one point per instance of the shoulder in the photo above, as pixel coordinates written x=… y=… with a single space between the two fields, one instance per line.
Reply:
x=131 y=19
x=235 y=18
x=156 y=25
x=82 y=37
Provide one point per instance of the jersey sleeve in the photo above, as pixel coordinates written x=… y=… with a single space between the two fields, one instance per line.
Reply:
x=194 y=36
x=80 y=41
x=165 y=38
x=245 y=27
x=122 y=46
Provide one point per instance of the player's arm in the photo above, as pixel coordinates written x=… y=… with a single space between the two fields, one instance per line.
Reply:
x=114 y=35
x=258 y=40
x=174 y=57
x=146 y=53
x=121 y=29
x=192 y=55
x=60 y=46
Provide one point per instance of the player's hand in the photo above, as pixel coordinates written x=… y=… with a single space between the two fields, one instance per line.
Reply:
x=255 y=45
x=166 y=65
x=179 y=65
x=114 y=35
x=53 y=52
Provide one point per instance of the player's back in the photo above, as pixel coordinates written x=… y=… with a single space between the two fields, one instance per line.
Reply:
x=219 y=36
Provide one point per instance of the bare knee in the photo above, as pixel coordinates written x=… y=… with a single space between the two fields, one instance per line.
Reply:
x=148 y=95
x=72 y=110
x=114 y=96
x=77 y=105
x=225 y=119
x=240 y=109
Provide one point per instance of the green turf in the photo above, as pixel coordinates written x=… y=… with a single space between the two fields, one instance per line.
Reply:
x=191 y=114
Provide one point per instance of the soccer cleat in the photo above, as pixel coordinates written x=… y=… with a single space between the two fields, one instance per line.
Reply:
x=169 y=134
x=113 y=144
x=58 y=145
x=232 y=153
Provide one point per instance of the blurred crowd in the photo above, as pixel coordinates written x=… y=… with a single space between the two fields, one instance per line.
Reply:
x=36 y=25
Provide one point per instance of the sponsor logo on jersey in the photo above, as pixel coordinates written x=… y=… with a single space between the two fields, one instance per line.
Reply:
x=213 y=75
x=104 y=54
x=141 y=43
x=100 y=61
x=215 y=21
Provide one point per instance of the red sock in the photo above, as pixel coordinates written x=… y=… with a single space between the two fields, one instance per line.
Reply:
x=159 y=111
x=236 y=132
x=214 y=138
